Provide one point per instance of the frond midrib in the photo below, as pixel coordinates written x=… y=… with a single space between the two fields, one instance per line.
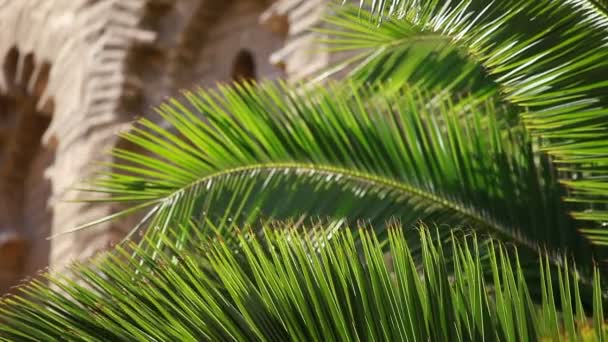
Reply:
x=370 y=179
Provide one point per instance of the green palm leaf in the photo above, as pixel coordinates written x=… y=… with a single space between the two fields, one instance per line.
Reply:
x=321 y=153
x=273 y=158
x=283 y=287
x=398 y=54
x=600 y=5
x=547 y=58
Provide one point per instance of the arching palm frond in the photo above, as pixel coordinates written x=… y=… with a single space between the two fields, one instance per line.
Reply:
x=549 y=58
x=398 y=53
x=282 y=287
x=326 y=153
x=274 y=158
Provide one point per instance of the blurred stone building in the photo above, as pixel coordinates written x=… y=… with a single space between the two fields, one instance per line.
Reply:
x=73 y=73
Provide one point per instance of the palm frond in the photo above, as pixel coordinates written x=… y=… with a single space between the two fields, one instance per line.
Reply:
x=320 y=153
x=398 y=54
x=547 y=57
x=298 y=285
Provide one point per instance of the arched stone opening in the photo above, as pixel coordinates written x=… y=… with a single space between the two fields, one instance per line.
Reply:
x=244 y=67
x=25 y=188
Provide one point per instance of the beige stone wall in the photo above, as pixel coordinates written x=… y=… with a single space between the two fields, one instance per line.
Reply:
x=87 y=68
x=237 y=29
x=302 y=54
x=61 y=63
x=196 y=47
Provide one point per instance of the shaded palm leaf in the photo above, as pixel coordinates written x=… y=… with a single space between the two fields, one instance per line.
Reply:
x=548 y=57
x=398 y=54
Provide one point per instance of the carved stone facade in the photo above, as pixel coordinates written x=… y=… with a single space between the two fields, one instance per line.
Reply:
x=75 y=72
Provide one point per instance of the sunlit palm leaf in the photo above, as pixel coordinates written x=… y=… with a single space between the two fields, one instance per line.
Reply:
x=284 y=288
x=321 y=153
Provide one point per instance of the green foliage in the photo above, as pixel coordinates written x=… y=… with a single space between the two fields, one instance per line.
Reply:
x=477 y=114
x=271 y=153
x=547 y=58
x=399 y=53
x=304 y=286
